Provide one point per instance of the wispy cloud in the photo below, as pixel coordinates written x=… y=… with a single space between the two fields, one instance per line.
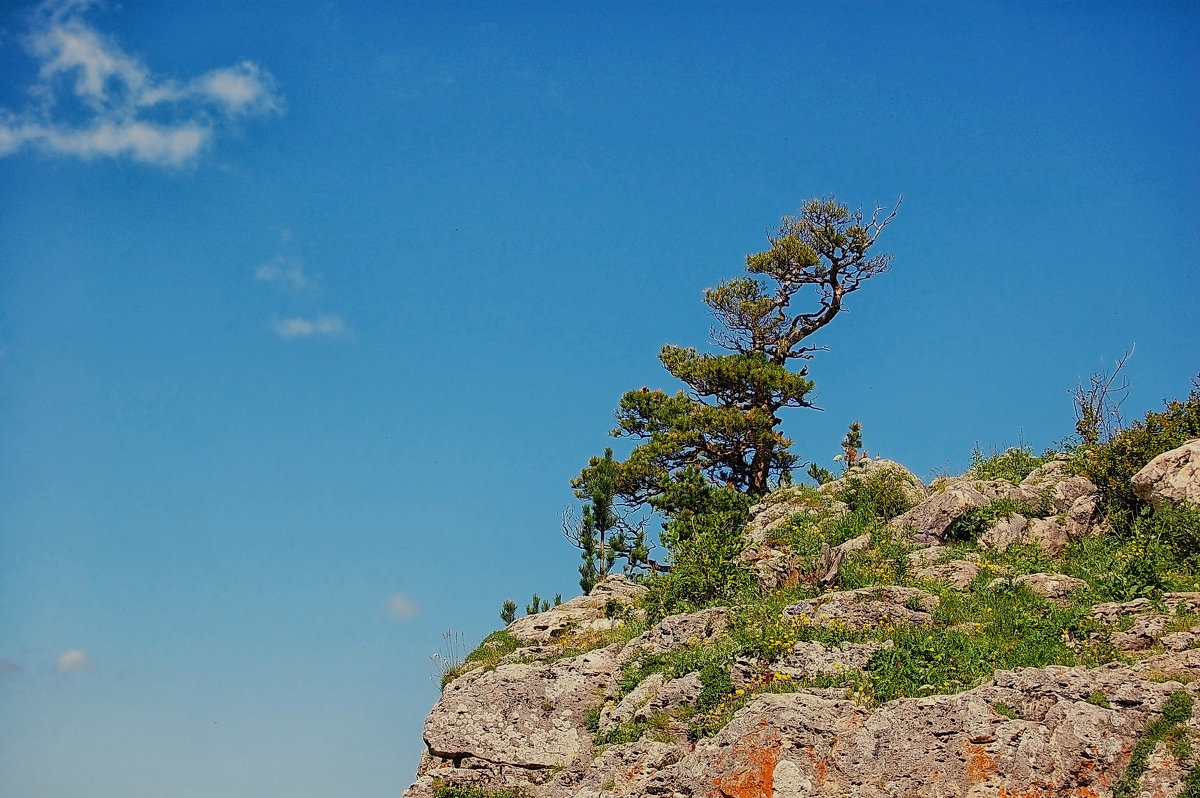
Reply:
x=95 y=100
x=401 y=607
x=73 y=660
x=8 y=666
x=287 y=272
x=322 y=325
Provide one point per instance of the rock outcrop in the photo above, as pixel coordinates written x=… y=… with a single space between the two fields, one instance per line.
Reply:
x=1068 y=508
x=1171 y=478
x=545 y=721
x=590 y=612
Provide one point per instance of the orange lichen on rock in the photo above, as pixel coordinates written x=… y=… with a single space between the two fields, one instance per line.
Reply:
x=752 y=774
x=1047 y=792
x=980 y=764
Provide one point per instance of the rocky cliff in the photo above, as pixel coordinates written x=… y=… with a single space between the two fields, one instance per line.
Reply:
x=906 y=660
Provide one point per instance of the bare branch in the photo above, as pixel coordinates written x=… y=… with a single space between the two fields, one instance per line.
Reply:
x=1098 y=406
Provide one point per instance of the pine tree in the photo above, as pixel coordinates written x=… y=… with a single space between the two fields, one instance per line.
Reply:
x=725 y=423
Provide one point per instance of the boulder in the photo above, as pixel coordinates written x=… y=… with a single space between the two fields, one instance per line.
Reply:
x=525 y=716
x=779 y=506
x=959 y=574
x=654 y=695
x=1052 y=483
x=805 y=744
x=928 y=521
x=867 y=607
x=1005 y=531
x=910 y=484
x=810 y=659
x=625 y=769
x=1144 y=633
x=579 y=614
x=677 y=631
x=1171 y=478
x=1054 y=586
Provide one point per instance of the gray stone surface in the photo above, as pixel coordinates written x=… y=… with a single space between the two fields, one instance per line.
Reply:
x=959 y=574
x=1055 y=586
x=1171 y=478
x=803 y=744
x=579 y=614
x=867 y=607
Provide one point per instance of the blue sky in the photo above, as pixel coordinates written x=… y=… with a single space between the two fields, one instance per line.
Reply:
x=309 y=312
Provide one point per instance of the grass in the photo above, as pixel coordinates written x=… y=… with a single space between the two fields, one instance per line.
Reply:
x=443 y=790
x=1168 y=726
x=974 y=632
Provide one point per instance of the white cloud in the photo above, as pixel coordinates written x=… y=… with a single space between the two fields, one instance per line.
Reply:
x=73 y=660
x=80 y=64
x=401 y=607
x=287 y=272
x=322 y=325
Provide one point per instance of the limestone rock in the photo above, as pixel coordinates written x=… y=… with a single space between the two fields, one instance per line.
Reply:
x=579 y=614
x=958 y=573
x=803 y=744
x=930 y=519
x=1111 y=612
x=638 y=697
x=1049 y=533
x=1052 y=483
x=867 y=607
x=910 y=484
x=527 y=716
x=1005 y=531
x=1171 y=478
x=677 y=631
x=625 y=769
x=809 y=659
x=778 y=507
x=927 y=555
x=1055 y=586
x=1143 y=634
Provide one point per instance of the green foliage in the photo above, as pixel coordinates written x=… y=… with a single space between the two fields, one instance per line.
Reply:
x=1177 y=526
x=487 y=654
x=443 y=790
x=1011 y=465
x=508 y=611
x=969 y=526
x=730 y=443
x=1112 y=465
x=880 y=490
x=536 y=605
x=715 y=685
x=819 y=474
x=1000 y=708
x=1176 y=711
x=976 y=634
x=852 y=443
x=704 y=536
x=602 y=534
x=1099 y=699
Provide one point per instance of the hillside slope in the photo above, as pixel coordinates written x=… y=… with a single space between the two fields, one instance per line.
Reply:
x=997 y=637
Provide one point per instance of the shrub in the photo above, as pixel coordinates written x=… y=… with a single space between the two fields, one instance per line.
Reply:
x=487 y=654
x=969 y=526
x=704 y=537
x=1112 y=465
x=880 y=490
x=1175 y=712
x=715 y=685
x=443 y=790
x=1011 y=465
